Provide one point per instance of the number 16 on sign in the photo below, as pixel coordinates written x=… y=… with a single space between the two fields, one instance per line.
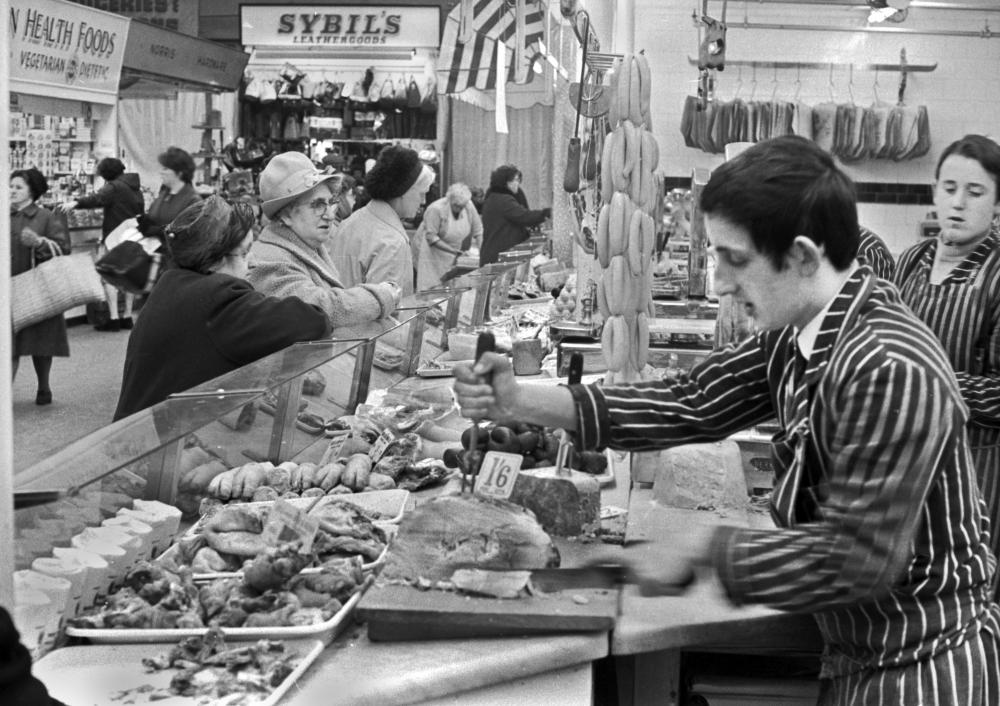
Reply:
x=497 y=475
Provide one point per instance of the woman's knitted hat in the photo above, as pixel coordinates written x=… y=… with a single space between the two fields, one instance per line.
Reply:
x=396 y=170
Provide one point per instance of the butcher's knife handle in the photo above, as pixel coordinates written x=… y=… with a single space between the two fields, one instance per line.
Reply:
x=575 y=368
x=486 y=343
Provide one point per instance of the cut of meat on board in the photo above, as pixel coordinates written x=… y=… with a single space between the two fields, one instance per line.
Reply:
x=453 y=532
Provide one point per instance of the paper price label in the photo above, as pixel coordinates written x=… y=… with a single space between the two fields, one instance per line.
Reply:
x=497 y=475
x=381 y=444
x=287 y=523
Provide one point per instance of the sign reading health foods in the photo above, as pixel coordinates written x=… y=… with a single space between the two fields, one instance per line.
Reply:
x=62 y=49
x=340 y=26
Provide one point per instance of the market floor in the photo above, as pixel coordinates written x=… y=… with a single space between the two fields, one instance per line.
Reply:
x=84 y=394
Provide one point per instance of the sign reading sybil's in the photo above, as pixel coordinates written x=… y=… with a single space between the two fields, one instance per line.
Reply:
x=69 y=50
x=340 y=25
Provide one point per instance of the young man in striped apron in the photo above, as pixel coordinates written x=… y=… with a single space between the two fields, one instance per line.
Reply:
x=952 y=282
x=880 y=526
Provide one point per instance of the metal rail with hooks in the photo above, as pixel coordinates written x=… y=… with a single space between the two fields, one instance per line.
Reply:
x=907 y=67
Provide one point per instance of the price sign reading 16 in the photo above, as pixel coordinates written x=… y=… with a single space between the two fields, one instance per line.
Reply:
x=498 y=474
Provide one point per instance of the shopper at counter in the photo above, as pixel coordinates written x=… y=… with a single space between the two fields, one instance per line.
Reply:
x=202 y=318
x=121 y=199
x=292 y=257
x=36 y=235
x=881 y=533
x=952 y=282
x=506 y=216
x=372 y=245
x=448 y=224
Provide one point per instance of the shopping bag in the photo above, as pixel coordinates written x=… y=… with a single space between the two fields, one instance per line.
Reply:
x=130 y=267
x=53 y=287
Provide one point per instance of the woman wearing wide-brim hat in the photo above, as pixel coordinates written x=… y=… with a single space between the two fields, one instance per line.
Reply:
x=372 y=245
x=292 y=256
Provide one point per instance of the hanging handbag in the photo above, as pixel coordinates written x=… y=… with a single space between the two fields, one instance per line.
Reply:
x=54 y=286
x=129 y=267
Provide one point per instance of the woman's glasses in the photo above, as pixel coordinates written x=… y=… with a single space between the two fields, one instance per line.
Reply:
x=320 y=207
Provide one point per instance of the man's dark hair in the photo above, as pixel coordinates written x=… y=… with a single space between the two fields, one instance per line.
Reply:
x=179 y=161
x=110 y=168
x=782 y=188
x=979 y=148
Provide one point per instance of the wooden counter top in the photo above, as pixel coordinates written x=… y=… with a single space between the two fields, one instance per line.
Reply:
x=353 y=671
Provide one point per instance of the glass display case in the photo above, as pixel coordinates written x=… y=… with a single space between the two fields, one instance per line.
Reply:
x=283 y=407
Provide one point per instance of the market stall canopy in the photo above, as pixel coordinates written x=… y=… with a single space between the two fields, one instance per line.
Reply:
x=160 y=61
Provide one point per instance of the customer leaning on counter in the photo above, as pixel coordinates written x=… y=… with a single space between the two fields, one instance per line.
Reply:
x=372 y=246
x=881 y=530
x=952 y=282
x=292 y=258
x=202 y=318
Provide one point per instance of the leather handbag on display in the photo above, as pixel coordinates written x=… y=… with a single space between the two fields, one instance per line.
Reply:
x=54 y=286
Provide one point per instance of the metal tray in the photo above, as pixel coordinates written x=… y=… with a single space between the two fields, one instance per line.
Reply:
x=97 y=675
x=325 y=631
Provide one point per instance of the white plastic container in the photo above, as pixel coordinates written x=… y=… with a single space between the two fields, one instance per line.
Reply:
x=70 y=570
x=137 y=528
x=98 y=571
x=111 y=553
x=117 y=536
x=58 y=590
x=161 y=525
x=31 y=609
x=170 y=514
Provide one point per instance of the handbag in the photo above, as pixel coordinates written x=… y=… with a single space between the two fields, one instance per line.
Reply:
x=53 y=287
x=130 y=267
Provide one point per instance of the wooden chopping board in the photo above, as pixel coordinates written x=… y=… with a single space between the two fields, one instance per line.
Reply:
x=399 y=612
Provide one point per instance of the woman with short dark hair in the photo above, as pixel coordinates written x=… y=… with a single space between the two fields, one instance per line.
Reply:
x=121 y=199
x=176 y=192
x=202 y=318
x=36 y=235
x=506 y=216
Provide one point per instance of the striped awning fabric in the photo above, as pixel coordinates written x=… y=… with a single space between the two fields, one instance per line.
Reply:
x=468 y=48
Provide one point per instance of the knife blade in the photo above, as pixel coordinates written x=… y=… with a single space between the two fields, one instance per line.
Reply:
x=600 y=576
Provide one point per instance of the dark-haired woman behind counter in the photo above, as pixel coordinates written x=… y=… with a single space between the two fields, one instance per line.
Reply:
x=506 y=216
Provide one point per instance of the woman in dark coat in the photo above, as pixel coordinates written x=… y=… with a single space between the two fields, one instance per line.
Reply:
x=202 y=318
x=506 y=216
x=36 y=234
x=121 y=199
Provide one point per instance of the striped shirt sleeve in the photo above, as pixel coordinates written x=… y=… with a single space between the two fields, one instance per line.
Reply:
x=724 y=394
x=889 y=432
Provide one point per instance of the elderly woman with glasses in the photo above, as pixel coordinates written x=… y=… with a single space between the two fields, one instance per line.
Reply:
x=203 y=319
x=292 y=258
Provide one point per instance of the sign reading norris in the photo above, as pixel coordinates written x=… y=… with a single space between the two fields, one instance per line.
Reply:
x=340 y=25
x=59 y=47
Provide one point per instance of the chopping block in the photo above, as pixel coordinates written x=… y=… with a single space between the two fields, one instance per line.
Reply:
x=566 y=504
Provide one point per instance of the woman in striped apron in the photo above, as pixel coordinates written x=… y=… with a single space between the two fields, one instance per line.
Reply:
x=952 y=283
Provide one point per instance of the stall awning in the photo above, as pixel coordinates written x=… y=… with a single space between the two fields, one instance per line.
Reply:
x=157 y=57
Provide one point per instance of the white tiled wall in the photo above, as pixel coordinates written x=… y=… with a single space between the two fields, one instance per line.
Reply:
x=962 y=95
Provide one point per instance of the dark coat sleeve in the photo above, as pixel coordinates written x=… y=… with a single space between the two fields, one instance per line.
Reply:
x=104 y=197
x=516 y=213
x=18 y=686
x=246 y=325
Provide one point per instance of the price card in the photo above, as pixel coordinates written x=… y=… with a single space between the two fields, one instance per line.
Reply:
x=381 y=444
x=286 y=523
x=497 y=475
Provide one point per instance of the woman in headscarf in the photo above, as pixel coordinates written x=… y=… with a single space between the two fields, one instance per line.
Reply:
x=372 y=246
x=121 y=199
x=292 y=257
x=202 y=318
x=36 y=235
x=506 y=216
x=448 y=224
x=952 y=282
